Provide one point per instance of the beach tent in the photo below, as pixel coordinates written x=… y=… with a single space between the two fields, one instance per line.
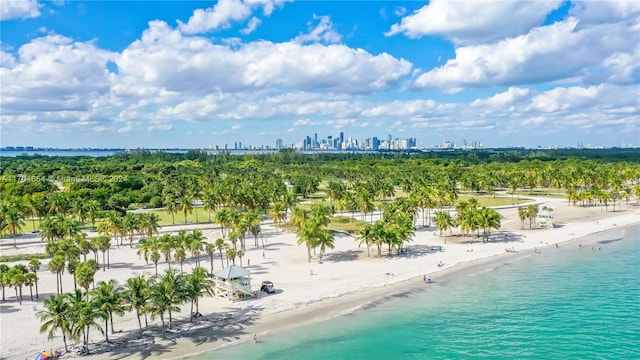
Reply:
x=545 y=219
x=232 y=283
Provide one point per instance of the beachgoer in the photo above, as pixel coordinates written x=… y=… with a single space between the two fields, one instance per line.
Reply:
x=248 y=262
x=557 y=245
x=263 y=254
x=429 y=278
x=424 y=277
x=255 y=339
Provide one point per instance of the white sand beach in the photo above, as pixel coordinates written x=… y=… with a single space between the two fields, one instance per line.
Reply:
x=306 y=291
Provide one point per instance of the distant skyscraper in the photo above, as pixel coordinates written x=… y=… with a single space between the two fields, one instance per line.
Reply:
x=279 y=144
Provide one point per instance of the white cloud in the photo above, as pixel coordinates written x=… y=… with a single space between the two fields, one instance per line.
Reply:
x=165 y=59
x=471 y=22
x=555 y=52
x=323 y=32
x=251 y=26
x=20 y=9
x=54 y=73
x=225 y=12
x=598 y=12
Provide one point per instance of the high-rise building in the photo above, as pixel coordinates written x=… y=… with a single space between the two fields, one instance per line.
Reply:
x=279 y=144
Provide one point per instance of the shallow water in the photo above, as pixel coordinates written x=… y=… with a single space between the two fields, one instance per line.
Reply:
x=566 y=303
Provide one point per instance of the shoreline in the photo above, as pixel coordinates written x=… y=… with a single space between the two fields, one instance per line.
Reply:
x=345 y=282
x=327 y=309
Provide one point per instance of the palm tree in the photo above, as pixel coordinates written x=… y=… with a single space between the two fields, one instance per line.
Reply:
x=166 y=292
x=186 y=206
x=196 y=244
x=523 y=214
x=136 y=292
x=210 y=249
x=220 y=245
x=196 y=285
x=108 y=297
x=34 y=265
x=17 y=281
x=56 y=266
x=443 y=223
x=14 y=221
x=488 y=219
x=30 y=279
x=278 y=212
x=55 y=316
x=155 y=257
x=85 y=273
x=103 y=244
x=231 y=254
x=532 y=211
x=180 y=256
x=91 y=209
x=83 y=314
x=171 y=206
x=149 y=224
x=366 y=236
x=324 y=240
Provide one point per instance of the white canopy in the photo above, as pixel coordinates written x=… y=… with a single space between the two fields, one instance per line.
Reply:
x=232 y=272
x=545 y=213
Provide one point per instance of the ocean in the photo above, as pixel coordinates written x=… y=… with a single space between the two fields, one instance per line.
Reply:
x=566 y=303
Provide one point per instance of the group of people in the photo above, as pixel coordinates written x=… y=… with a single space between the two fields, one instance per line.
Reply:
x=426 y=278
x=512 y=249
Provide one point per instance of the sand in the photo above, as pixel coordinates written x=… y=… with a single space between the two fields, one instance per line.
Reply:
x=346 y=279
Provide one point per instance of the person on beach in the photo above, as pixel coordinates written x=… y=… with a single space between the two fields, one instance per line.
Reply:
x=255 y=339
x=429 y=279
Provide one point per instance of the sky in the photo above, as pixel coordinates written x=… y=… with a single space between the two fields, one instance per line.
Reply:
x=190 y=74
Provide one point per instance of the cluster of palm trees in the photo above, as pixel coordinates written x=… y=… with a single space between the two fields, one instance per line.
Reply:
x=530 y=213
x=19 y=276
x=394 y=228
x=126 y=227
x=75 y=314
x=311 y=229
x=470 y=219
x=177 y=247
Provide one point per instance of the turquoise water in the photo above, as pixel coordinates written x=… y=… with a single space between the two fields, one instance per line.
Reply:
x=566 y=303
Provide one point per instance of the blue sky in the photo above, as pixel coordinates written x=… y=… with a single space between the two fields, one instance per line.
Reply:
x=191 y=74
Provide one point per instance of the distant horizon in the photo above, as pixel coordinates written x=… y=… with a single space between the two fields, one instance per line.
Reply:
x=166 y=74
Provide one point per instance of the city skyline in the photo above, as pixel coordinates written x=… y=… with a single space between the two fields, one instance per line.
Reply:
x=189 y=74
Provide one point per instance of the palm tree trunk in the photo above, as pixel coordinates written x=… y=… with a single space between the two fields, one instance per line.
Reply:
x=108 y=259
x=139 y=321
x=36 y=289
x=164 y=332
x=106 y=329
x=31 y=292
x=111 y=318
x=64 y=341
x=221 y=259
x=191 y=318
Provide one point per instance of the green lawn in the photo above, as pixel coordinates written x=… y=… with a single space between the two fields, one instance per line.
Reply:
x=488 y=201
x=165 y=217
x=346 y=224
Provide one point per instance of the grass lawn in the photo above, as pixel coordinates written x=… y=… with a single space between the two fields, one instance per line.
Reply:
x=165 y=217
x=488 y=200
x=346 y=224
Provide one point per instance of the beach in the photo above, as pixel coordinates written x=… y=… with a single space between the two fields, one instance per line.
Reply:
x=307 y=292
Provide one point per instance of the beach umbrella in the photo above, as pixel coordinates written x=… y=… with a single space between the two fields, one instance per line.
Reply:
x=42 y=356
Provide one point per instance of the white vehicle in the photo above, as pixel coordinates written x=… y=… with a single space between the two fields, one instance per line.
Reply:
x=267 y=286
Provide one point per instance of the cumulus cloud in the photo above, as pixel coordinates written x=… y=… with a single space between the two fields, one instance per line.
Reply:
x=323 y=32
x=599 y=12
x=226 y=12
x=54 y=73
x=165 y=59
x=547 y=53
x=21 y=9
x=472 y=22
